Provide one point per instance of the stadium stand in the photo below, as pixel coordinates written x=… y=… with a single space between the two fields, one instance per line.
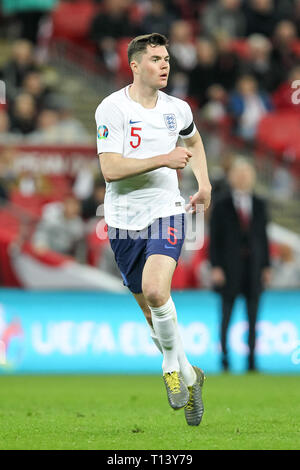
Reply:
x=67 y=46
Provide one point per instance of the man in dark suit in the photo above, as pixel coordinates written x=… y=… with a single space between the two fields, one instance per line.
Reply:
x=239 y=251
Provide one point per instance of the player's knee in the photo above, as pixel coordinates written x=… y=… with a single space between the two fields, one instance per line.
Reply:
x=154 y=296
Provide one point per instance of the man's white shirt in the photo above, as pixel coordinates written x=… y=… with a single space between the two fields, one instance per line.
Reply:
x=242 y=201
x=126 y=127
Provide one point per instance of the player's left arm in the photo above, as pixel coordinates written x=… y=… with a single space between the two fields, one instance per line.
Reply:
x=199 y=166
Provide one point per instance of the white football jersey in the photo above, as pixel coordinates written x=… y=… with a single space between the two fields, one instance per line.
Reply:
x=126 y=127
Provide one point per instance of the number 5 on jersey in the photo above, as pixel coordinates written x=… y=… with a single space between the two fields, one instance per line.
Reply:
x=137 y=138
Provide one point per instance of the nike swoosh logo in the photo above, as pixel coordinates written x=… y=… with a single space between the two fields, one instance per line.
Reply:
x=133 y=122
x=170 y=247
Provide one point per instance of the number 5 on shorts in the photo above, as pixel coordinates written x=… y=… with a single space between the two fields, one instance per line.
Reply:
x=171 y=232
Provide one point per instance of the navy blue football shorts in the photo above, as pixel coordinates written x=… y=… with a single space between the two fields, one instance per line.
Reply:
x=165 y=236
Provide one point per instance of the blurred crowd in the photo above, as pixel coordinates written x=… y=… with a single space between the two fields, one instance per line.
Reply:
x=65 y=215
x=60 y=211
x=34 y=112
x=232 y=60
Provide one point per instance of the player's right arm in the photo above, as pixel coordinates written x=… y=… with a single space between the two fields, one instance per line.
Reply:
x=115 y=167
x=110 y=144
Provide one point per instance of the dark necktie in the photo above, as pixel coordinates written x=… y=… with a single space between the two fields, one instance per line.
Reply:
x=244 y=218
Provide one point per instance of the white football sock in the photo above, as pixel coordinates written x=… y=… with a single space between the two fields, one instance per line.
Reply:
x=155 y=339
x=165 y=329
x=187 y=371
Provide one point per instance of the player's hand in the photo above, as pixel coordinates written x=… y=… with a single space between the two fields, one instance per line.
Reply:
x=199 y=201
x=178 y=158
x=218 y=276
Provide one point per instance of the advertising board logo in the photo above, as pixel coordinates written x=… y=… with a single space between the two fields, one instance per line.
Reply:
x=11 y=341
x=296 y=354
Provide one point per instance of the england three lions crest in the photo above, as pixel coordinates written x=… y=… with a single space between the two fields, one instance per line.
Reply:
x=170 y=121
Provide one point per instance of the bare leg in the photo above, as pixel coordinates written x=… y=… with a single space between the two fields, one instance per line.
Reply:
x=140 y=298
x=157 y=278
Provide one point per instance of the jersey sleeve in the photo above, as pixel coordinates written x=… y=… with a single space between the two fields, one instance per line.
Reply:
x=110 y=128
x=189 y=128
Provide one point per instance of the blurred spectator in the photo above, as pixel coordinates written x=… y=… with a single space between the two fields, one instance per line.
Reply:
x=90 y=205
x=205 y=72
x=111 y=24
x=296 y=15
x=178 y=84
x=33 y=84
x=283 y=55
x=71 y=129
x=247 y=105
x=223 y=16
x=3 y=187
x=259 y=63
x=47 y=130
x=183 y=57
x=285 y=9
x=21 y=63
x=215 y=109
x=158 y=20
x=219 y=178
x=58 y=127
x=24 y=114
x=85 y=180
x=5 y=135
x=227 y=63
x=239 y=251
x=29 y=13
x=261 y=17
x=181 y=9
x=181 y=47
x=283 y=183
x=61 y=228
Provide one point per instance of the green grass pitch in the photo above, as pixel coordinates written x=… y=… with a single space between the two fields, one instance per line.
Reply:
x=252 y=411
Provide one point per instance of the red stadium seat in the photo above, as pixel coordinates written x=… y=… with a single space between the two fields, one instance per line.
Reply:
x=71 y=20
x=180 y=277
x=124 y=69
x=7 y=236
x=276 y=131
x=9 y=223
x=61 y=187
x=95 y=246
x=31 y=204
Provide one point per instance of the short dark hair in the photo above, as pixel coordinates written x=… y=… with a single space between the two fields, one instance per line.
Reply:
x=139 y=44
